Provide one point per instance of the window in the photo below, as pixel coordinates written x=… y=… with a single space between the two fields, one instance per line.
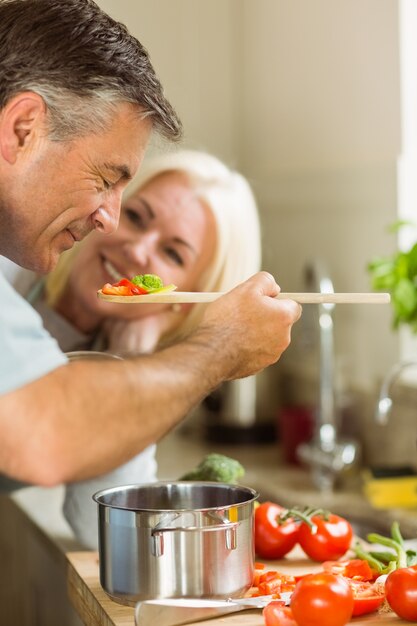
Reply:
x=407 y=162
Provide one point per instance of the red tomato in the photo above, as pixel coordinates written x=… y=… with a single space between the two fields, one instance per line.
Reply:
x=273 y=538
x=401 y=592
x=366 y=597
x=275 y=614
x=359 y=569
x=322 y=600
x=330 y=541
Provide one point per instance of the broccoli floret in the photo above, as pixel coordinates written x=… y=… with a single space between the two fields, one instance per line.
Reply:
x=148 y=281
x=218 y=468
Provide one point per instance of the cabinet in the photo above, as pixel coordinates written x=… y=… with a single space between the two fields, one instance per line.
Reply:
x=33 y=587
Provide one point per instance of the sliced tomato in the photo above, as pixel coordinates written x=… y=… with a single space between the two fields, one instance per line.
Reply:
x=123 y=288
x=124 y=282
x=113 y=290
x=276 y=614
x=358 y=569
x=366 y=597
x=135 y=290
x=271 y=582
x=259 y=570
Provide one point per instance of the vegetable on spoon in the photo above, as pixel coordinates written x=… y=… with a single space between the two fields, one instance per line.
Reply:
x=140 y=284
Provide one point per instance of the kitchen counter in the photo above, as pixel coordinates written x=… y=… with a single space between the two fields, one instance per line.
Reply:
x=96 y=609
x=38 y=547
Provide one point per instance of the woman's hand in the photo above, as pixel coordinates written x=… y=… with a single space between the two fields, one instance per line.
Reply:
x=141 y=336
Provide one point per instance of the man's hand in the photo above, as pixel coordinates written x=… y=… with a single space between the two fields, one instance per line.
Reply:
x=78 y=406
x=248 y=327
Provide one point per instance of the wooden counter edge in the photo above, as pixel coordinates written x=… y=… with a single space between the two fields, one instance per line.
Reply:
x=92 y=604
x=95 y=608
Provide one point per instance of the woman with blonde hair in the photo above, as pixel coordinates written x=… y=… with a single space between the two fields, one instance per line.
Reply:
x=235 y=251
x=189 y=219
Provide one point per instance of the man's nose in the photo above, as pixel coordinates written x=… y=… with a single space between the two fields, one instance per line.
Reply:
x=105 y=221
x=106 y=217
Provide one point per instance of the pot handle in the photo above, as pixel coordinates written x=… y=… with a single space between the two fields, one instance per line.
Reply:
x=157 y=533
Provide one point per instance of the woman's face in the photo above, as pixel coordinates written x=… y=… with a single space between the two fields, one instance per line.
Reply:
x=164 y=229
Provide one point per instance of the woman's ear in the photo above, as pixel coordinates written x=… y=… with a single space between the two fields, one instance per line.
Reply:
x=21 y=121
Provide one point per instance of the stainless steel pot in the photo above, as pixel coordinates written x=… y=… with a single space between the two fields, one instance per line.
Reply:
x=176 y=539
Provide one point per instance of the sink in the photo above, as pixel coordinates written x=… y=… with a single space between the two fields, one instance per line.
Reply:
x=351 y=505
x=362 y=527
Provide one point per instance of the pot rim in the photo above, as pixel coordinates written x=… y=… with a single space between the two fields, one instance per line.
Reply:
x=160 y=483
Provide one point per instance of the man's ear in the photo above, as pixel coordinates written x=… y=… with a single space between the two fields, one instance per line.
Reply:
x=21 y=121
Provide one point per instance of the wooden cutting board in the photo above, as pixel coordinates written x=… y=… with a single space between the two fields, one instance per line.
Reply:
x=95 y=607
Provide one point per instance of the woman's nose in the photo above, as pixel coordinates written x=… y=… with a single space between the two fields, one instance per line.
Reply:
x=141 y=251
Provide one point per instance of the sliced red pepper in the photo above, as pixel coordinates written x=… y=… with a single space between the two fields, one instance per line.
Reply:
x=275 y=614
x=112 y=290
x=366 y=597
x=271 y=582
x=124 y=282
x=363 y=606
x=359 y=569
x=136 y=290
x=124 y=287
x=257 y=573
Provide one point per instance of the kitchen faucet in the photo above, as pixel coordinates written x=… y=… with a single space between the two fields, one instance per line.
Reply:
x=384 y=404
x=326 y=455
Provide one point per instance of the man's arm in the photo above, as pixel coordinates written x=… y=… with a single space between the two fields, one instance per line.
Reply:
x=86 y=418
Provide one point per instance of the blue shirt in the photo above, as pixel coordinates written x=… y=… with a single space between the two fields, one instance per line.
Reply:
x=27 y=351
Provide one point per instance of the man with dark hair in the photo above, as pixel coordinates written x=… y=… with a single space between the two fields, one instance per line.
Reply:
x=78 y=101
x=72 y=79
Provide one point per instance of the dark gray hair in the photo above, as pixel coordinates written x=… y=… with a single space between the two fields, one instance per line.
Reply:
x=81 y=62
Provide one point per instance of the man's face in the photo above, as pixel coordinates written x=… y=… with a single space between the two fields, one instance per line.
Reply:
x=61 y=191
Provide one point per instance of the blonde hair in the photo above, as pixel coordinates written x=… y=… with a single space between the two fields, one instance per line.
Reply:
x=229 y=197
x=57 y=279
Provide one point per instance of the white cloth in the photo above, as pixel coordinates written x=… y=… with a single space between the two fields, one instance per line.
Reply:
x=27 y=351
x=79 y=508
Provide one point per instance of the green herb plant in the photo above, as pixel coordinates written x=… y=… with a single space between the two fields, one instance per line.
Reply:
x=397 y=275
